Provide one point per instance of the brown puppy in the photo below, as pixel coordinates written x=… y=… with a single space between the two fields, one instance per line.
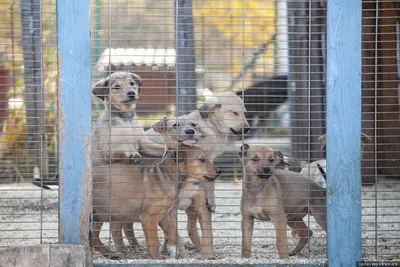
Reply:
x=175 y=132
x=277 y=195
x=148 y=199
x=117 y=135
x=192 y=198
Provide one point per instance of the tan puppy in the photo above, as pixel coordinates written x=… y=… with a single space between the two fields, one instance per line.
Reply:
x=118 y=136
x=277 y=195
x=220 y=121
x=313 y=172
x=175 y=133
x=192 y=198
x=148 y=199
x=178 y=131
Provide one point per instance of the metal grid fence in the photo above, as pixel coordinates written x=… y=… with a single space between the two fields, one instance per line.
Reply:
x=29 y=122
x=271 y=54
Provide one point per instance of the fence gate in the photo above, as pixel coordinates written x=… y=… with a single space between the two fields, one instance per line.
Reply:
x=138 y=130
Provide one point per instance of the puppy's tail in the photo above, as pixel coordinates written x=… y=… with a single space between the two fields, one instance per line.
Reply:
x=322 y=171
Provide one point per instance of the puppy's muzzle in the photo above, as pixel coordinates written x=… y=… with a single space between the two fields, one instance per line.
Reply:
x=239 y=132
x=131 y=95
x=190 y=131
x=218 y=172
x=266 y=173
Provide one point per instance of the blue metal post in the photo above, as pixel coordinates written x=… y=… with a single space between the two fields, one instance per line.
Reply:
x=343 y=132
x=73 y=32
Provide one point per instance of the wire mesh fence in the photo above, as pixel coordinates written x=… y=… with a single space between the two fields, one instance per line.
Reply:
x=207 y=133
x=29 y=125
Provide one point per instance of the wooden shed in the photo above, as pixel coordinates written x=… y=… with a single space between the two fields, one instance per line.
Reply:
x=380 y=88
x=155 y=65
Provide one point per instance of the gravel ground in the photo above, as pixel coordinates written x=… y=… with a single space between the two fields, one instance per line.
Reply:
x=21 y=216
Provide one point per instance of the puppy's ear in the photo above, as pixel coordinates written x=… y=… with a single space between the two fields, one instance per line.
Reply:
x=278 y=157
x=161 y=125
x=138 y=79
x=207 y=108
x=365 y=139
x=322 y=140
x=243 y=150
x=113 y=68
x=100 y=89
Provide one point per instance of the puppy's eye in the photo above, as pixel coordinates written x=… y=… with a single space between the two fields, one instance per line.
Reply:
x=193 y=124
x=255 y=159
x=132 y=83
x=117 y=87
x=175 y=125
x=202 y=160
x=236 y=114
x=271 y=160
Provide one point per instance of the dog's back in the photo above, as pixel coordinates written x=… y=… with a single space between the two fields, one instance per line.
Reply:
x=123 y=191
x=300 y=195
x=118 y=192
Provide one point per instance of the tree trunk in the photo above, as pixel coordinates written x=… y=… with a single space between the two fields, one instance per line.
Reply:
x=32 y=52
x=186 y=63
x=306 y=77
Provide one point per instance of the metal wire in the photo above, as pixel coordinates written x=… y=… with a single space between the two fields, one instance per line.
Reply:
x=28 y=128
x=239 y=46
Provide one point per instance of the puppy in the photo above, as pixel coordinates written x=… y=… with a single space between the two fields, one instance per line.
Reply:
x=220 y=121
x=317 y=174
x=118 y=136
x=146 y=195
x=277 y=195
x=175 y=132
x=192 y=198
x=178 y=131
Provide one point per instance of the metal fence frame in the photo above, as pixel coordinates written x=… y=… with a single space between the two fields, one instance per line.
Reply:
x=343 y=97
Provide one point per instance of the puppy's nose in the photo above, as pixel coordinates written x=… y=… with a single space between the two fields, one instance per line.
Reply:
x=132 y=94
x=219 y=172
x=189 y=131
x=266 y=169
x=246 y=130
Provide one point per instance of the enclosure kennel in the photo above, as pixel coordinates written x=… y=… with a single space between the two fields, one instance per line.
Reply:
x=316 y=67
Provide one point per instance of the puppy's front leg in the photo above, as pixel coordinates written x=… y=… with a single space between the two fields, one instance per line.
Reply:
x=247 y=231
x=123 y=152
x=151 y=149
x=210 y=189
x=280 y=222
x=149 y=225
x=207 y=247
x=192 y=213
x=186 y=193
x=174 y=244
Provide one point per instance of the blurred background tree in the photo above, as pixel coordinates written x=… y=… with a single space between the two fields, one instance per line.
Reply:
x=13 y=146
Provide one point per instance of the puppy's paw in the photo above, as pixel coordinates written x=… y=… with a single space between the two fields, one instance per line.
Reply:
x=292 y=253
x=112 y=256
x=134 y=156
x=208 y=256
x=170 y=250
